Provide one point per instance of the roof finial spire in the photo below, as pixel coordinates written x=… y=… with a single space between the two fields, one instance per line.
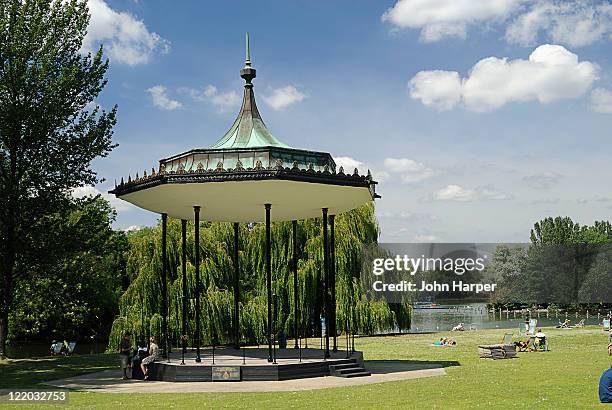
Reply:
x=248 y=72
x=247 y=62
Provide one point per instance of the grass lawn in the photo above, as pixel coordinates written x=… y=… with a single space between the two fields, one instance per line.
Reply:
x=565 y=377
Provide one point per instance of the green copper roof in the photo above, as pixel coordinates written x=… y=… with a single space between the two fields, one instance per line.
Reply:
x=248 y=130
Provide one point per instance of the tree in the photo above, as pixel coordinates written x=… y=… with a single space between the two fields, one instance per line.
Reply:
x=140 y=305
x=597 y=286
x=50 y=127
x=73 y=287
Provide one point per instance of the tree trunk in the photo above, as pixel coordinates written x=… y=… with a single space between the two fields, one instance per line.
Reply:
x=8 y=251
x=5 y=299
x=3 y=333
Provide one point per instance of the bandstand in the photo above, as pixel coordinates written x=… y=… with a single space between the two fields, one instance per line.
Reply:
x=248 y=176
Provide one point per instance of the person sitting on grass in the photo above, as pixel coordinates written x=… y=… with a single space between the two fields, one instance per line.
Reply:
x=563 y=325
x=153 y=353
x=605 y=386
x=440 y=342
x=458 y=328
x=125 y=348
x=521 y=345
x=52 y=348
x=445 y=341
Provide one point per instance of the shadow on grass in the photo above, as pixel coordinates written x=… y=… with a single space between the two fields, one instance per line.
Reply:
x=23 y=373
x=396 y=366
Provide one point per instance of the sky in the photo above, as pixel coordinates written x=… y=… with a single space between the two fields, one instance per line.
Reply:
x=478 y=118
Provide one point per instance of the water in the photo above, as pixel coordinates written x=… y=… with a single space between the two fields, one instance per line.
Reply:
x=476 y=316
x=20 y=350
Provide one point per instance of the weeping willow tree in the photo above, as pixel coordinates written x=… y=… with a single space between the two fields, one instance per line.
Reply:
x=140 y=305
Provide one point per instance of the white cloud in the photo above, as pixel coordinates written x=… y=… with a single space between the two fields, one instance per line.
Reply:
x=543 y=181
x=349 y=164
x=408 y=169
x=436 y=89
x=575 y=23
x=211 y=94
x=116 y=203
x=405 y=215
x=601 y=100
x=455 y=193
x=283 y=97
x=161 y=100
x=126 y=39
x=222 y=100
x=551 y=73
x=132 y=228
x=461 y=194
x=447 y=18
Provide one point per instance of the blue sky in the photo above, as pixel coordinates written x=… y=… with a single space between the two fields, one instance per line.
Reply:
x=467 y=147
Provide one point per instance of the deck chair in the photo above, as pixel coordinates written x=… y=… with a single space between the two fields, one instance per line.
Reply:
x=523 y=329
x=564 y=325
x=57 y=348
x=579 y=324
x=531 y=344
x=533 y=323
x=606 y=324
x=71 y=347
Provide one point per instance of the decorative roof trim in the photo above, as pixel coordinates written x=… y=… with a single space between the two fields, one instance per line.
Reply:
x=258 y=174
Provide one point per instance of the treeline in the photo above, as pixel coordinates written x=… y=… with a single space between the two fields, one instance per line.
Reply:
x=140 y=305
x=566 y=264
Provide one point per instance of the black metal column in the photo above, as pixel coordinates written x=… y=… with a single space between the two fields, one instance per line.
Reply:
x=332 y=265
x=295 y=286
x=164 y=286
x=196 y=217
x=327 y=308
x=184 y=261
x=236 y=289
x=269 y=280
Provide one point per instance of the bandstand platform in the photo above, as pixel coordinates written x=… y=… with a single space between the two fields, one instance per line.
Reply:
x=251 y=364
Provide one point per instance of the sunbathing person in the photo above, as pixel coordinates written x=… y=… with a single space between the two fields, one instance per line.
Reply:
x=521 y=345
x=563 y=325
x=458 y=328
x=445 y=341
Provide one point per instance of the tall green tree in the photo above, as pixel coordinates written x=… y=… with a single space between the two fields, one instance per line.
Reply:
x=565 y=264
x=50 y=127
x=73 y=291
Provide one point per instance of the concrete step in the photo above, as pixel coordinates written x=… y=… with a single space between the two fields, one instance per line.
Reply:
x=349 y=370
x=352 y=369
x=359 y=374
x=342 y=366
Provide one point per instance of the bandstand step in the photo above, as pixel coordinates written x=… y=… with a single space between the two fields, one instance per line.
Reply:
x=348 y=370
x=342 y=366
x=359 y=374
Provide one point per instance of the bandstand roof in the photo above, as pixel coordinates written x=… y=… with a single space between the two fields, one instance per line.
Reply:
x=245 y=169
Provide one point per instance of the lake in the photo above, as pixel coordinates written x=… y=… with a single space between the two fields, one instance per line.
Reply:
x=445 y=317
